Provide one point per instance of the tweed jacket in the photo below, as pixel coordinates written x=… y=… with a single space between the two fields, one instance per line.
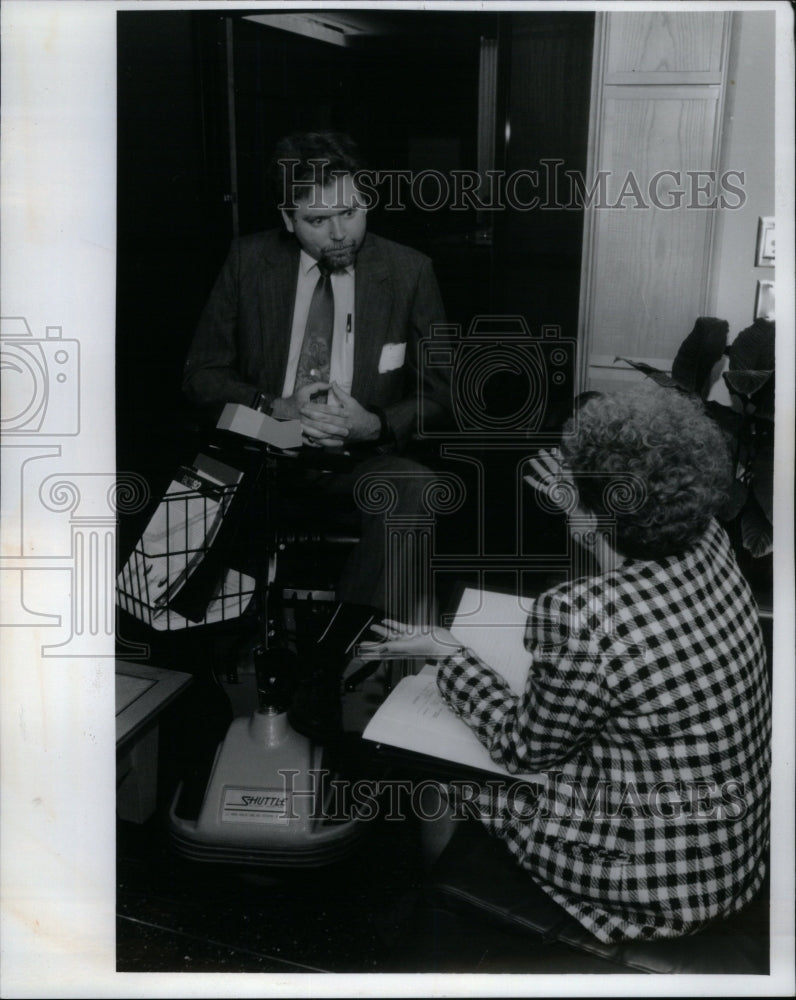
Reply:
x=647 y=708
x=243 y=337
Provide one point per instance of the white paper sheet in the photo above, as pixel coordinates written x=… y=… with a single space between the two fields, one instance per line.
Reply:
x=415 y=717
x=493 y=626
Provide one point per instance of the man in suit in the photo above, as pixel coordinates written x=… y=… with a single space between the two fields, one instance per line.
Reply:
x=322 y=322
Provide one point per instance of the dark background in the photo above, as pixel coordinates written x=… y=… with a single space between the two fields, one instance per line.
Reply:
x=408 y=95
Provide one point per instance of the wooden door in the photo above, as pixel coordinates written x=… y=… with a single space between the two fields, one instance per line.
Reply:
x=654 y=186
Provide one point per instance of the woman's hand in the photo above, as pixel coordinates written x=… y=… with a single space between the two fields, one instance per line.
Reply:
x=409 y=640
x=548 y=475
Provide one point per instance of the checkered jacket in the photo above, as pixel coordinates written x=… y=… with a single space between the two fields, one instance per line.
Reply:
x=647 y=709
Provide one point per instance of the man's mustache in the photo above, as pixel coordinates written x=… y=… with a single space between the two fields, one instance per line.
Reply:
x=339 y=248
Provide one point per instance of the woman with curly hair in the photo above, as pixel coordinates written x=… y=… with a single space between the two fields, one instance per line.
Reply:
x=647 y=705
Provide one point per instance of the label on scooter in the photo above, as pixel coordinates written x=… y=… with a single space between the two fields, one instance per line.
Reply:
x=255 y=805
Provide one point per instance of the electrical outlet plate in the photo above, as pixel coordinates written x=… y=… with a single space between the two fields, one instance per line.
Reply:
x=766 y=242
x=764 y=300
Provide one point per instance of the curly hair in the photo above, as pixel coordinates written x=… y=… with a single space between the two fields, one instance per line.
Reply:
x=653 y=460
x=304 y=158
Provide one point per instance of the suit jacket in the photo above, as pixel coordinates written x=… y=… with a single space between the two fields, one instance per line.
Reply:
x=242 y=341
x=647 y=703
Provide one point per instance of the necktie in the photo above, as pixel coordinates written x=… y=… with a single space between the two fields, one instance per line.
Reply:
x=316 y=350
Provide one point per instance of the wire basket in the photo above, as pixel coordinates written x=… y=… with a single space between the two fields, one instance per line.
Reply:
x=175 y=577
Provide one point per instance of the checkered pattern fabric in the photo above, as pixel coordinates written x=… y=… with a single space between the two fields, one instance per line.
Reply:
x=647 y=708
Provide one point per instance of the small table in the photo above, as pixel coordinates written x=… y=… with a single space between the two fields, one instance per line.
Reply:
x=142 y=693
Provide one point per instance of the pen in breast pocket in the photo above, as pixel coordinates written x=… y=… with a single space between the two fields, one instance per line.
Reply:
x=348 y=323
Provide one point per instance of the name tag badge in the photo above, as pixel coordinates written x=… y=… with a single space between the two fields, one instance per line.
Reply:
x=392 y=357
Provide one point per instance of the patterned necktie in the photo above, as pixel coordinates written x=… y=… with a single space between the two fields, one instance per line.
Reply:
x=316 y=350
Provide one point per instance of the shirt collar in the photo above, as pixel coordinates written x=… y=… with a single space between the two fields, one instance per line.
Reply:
x=307 y=263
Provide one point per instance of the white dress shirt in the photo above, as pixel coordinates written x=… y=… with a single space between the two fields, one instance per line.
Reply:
x=342 y=359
